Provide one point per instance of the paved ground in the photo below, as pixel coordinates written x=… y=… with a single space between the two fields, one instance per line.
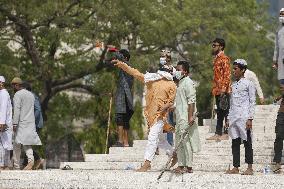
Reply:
x=110 y=170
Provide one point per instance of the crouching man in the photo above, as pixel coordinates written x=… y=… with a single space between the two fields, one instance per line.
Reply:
x=160 y=95
x=240 y=117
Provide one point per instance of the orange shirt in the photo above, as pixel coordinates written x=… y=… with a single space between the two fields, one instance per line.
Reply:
x=159 y=94
x=222 y=74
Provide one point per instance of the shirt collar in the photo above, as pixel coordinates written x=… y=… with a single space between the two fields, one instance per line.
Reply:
x=220 y=54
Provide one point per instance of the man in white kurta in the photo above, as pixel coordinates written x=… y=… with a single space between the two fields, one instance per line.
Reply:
x=240 y=117
x=184 y=109
x=24 y=124
x=6 y=124
x=278 y=57
x=250 y=75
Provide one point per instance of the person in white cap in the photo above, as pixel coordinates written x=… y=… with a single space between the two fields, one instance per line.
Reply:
x=241 y=113
x=250 y=75
x=23 y=124
x=278 y=58
x=6 y=126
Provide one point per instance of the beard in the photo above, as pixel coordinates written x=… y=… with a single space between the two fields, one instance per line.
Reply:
x=214 y=53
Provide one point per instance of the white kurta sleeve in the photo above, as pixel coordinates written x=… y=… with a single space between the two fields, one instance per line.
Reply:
x=255 y=81
x=276 y=49
x=251 y=92
x=3 y=108
x=17 y=109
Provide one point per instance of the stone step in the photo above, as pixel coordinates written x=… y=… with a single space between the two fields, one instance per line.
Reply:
x=225 y=159
x=156 y=166
x=209 y=151
x=131 y=179
x=257 y=143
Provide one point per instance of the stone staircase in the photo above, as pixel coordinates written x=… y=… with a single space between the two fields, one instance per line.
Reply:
x=113 y=170
x=214 y=156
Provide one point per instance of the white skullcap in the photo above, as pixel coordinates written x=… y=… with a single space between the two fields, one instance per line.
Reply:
x=2 y=79
x=241 y=61
x=281 y=10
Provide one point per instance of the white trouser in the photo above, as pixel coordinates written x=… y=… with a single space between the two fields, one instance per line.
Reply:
x=17 y=154
x=4 y=156
x=157 y=138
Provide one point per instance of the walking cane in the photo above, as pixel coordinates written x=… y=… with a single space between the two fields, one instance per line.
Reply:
x=183 y=137
x=108 y=123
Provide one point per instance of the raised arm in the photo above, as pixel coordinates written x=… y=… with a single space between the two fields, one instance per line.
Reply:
x=131 y=71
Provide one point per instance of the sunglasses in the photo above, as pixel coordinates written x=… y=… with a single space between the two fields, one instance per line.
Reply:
x=214 y=45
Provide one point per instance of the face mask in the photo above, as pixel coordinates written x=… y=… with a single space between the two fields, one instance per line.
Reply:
x=163 y=60
x=178 y=75
x=281 y=19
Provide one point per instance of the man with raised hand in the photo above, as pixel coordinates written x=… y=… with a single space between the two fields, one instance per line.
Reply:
x=160 y=96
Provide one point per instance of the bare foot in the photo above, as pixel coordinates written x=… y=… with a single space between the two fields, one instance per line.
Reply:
x=249 y=171
x=235 y=170
x=145 y=167
x=188 y=169
x=179 y=170
x=215 y=137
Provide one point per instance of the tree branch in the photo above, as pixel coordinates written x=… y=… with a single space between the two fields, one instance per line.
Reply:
x=26 y=34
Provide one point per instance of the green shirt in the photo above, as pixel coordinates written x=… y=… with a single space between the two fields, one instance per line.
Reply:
x=186 y=94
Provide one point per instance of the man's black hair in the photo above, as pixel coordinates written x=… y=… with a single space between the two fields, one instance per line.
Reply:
x=125 y=54
x=185 y=65
x=221 y=42
x=241 y=66
x=162 y=68
x=27 y=85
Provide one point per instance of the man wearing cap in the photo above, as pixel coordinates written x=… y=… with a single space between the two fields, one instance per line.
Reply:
x=6 y=126
x=240 y=117
x=278 y=58
x=221 y=86
x=23 y=124
x=160 y=96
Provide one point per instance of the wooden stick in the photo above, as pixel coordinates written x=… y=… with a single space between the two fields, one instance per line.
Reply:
x=108 y=123
x=183 y=137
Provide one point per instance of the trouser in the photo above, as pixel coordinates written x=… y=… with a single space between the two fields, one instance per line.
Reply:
x=278 y=143
x=17 y=154
x=248 y=150
x=4 y=156
x=184 y=152
x=278 y=147
x=170 y=135
x=221 y=114
x=36 y=155
x=157 y=138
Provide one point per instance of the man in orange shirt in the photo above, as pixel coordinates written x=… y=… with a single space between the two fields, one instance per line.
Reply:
x=221 y=86
x=160 y=95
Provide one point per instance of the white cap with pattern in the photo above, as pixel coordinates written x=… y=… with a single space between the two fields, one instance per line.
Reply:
x=2 y=79
x=241 y=61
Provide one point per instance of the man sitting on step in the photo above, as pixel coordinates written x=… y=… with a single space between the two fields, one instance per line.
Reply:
x=160 y=95
x=240 y=117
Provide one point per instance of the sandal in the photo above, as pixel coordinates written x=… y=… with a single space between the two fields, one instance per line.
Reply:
x=179 y=170
x=67 y=167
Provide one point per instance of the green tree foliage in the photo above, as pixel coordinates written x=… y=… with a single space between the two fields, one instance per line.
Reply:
x=54 y=47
